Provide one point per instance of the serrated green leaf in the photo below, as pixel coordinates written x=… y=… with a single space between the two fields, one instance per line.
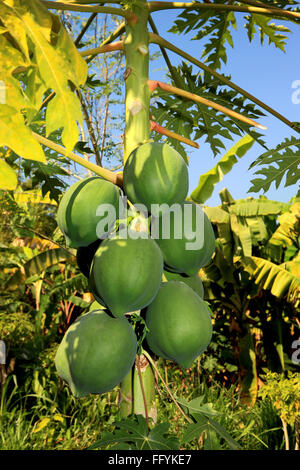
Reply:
x=266 y=29
x=195 y=121
x=134 y=430
x=194 y=430
x=209 y=179
x=8 y=178
x=283 y=161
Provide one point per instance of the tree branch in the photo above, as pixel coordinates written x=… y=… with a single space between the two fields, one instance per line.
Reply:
x=198 y=99
x=270 y=11
x=120 y=30
x=155 y=39
x=114 y=178
x=89 y=125
x=163 y=51
x=162 y=130
x=127 y=14
x=84 y=29
x=84 y=2
x=115 y=46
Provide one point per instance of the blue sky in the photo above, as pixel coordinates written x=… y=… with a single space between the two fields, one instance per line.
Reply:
x=264 y=71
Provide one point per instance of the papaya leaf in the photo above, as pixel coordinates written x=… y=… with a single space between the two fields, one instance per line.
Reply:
x=283 y=161
x=49 y=178
x=32 y=197
x=203 y=415
x=215 y=27
x=56 y=68
x=15 y=27
x=209 y=179
x=261 y=24
x=134 y=431
x=37 y=264
x=8 y=178
x=15 y=135
x=195 y=121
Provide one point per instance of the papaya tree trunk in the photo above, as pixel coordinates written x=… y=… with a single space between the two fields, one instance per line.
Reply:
x=137 y=97
x=137 y=391
x=144 y=389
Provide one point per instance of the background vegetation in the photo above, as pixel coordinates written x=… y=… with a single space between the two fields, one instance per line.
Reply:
x=244 y=391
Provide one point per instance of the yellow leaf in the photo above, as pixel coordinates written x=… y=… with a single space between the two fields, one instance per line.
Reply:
x=8 y=178
x=15 y=135
x=58 y=418
x=42 y=424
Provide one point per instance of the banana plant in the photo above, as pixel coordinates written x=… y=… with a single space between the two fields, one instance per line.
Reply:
x=256 y=240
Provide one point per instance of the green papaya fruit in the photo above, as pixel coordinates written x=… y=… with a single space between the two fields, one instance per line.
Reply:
x=126 y=273
x=179 y=323
x=186 y=238
x=77 y=211
x=155 y=173
x=85 y=255
x=96 y=353
x=192 y=281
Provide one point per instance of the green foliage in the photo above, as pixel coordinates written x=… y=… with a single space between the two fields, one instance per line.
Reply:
x=133 y=434
x=284 y=393
x=203 y=415
x=216 y=29
x=37 y=42
x=198 y=120
x=276 y=164
x=209 y=179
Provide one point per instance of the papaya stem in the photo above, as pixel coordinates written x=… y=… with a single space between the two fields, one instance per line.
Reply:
x=85 y=28
x=166 y=386
x=115 y=46
x=216 y=7
x=127 y=14
x=115 y=178
x=156 y=39
x=142 y=390
x=198 y=99
x=84 y=2
x=137 y=93
x=154 y=126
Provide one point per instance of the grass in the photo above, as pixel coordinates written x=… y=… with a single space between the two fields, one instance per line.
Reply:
x=53 y=419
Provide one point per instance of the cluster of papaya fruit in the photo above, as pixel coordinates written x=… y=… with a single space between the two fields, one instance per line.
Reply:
x=157 y=276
